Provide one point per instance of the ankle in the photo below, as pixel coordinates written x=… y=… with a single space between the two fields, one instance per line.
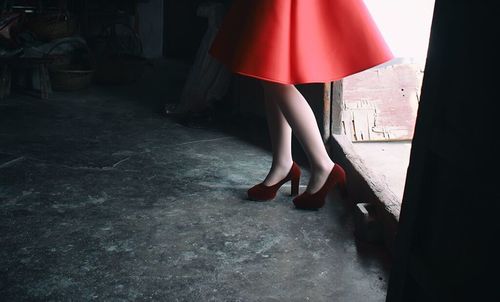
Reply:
x=323 y=167
x=282 y=164
x=277 y=172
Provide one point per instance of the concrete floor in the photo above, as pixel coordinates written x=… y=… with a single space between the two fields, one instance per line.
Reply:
x=103 y=198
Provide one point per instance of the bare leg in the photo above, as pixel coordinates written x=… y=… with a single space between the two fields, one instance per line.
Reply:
x=281 y=142
x=301 y=118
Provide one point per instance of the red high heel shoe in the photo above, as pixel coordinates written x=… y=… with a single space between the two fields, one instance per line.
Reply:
x=314 y=201
x=262 y=192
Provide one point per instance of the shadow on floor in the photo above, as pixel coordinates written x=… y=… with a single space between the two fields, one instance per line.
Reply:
x=253 y=130
x=104 y=198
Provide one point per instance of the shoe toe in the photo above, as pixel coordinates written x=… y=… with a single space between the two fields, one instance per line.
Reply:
x=259 y=193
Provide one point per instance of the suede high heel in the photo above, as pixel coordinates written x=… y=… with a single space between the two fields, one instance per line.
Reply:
x=314 y=201
x=261 y=192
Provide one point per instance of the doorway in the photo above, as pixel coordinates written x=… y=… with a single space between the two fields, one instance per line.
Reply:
x=379 y=105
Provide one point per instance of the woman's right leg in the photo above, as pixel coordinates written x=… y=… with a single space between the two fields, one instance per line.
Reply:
x=280 y=133
x=299 y=116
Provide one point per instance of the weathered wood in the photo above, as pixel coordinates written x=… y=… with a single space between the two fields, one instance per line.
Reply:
x=327 y=111
x=361 y=124
x=394 y=91
x=359 y=120
x=337 y=107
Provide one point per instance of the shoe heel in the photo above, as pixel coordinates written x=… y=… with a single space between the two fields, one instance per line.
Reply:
x=295 y=185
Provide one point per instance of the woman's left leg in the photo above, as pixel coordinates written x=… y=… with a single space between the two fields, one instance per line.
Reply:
x=301 y=118
x=281 y=142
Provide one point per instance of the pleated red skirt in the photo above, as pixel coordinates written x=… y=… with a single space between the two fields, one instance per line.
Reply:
x=299 y=41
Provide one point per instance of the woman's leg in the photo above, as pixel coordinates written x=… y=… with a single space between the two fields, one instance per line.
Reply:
x=281 y=142
x=300 y=117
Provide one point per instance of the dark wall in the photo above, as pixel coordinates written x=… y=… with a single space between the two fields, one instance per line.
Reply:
x=183 y=28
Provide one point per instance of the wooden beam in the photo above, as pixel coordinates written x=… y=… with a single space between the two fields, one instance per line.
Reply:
x=337 y=107
x=327 y=111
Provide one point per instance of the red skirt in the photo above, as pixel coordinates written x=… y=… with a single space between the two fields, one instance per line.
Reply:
x=299 y=41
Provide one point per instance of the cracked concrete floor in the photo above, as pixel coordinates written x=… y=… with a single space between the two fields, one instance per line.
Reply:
x=102 y=198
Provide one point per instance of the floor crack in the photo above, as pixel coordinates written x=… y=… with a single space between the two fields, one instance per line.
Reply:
x=204 y=140
x=12 y=162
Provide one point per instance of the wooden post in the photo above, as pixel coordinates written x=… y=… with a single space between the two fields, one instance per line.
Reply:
x=337 y=107
x=327 y=111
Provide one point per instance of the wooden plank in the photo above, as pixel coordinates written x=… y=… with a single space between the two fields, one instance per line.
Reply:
x=360 y=120
x=327 y=111
x=337 y=107
x=363 y=125
x=394 y=90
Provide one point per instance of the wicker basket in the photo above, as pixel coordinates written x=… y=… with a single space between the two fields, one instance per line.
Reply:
x=51 y=27
x=67 y=75
x=71 y=78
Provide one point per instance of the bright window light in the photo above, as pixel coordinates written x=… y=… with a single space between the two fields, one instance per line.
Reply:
x=405 y=25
